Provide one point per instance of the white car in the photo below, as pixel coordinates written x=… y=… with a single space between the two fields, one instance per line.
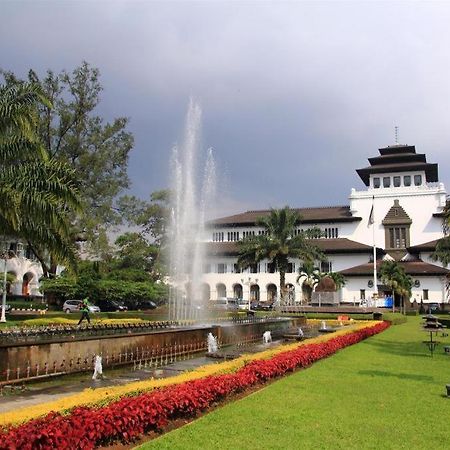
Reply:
x=71 y=306
x=225 y=303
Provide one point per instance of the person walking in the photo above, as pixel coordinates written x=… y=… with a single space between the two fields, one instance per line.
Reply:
x=84 y=308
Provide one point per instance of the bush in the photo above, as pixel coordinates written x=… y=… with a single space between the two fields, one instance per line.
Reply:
x=395 y=319
x=34 y=303
x=60 y=289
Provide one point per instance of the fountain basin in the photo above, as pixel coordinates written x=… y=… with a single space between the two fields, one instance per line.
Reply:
x=24 y=361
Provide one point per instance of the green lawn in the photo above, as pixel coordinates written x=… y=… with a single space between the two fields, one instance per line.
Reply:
x=384 y=393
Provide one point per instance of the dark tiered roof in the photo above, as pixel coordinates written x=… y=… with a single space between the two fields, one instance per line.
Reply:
x=416 y=268
x=325 y=214
x=399 y=158
x=328 y=246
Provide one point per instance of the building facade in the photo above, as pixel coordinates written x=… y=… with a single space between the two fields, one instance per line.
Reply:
x=399 y=213
x=23 y=269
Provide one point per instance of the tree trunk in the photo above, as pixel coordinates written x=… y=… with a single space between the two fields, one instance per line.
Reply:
x=282 y=288
x=306 y=293
x=44 y=265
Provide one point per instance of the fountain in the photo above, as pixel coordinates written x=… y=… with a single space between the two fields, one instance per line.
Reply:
x=212 y=343
x=267 y=337
x=98 y=368
x=189 y=207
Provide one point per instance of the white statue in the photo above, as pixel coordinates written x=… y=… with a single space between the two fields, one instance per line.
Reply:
x=212 y=343
x=267 y=337
x=98 y=369
x=300 y=332
x=323 y=325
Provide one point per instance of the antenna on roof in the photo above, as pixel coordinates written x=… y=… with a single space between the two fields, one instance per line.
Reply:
x=396 y=135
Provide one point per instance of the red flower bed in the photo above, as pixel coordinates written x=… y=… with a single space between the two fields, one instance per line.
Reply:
x=86 y=428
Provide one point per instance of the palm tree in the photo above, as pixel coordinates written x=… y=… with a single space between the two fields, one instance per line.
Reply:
x=309 y=275
x=338 y=278
x=278 y=244
x=405 y=290
x=35 y=190
x=394 y=276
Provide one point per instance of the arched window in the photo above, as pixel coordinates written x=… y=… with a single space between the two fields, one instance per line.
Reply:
x=221 y=290
x=205 y=292
x=254 y=293
x=26 y=283
x=237 y=291
x=271 y=293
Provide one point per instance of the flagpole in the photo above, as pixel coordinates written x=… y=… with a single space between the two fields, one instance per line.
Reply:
x=375 y=288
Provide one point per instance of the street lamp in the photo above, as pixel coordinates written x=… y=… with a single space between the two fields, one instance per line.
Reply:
x=249 y=284
x=3 y=317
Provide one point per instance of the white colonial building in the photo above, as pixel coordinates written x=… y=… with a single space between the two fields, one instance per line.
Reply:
x=23 y=269
x=407 y=200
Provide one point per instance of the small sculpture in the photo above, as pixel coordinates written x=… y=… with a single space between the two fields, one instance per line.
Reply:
x=267 y=337
x=98 y=369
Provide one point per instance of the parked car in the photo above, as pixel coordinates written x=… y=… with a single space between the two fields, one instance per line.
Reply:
x=71 y=306
x=147 y=304
x=263 y=306
x=139 y=304
x=242 y=304
x=433 y=308
x=111 y=305
x=225 y=303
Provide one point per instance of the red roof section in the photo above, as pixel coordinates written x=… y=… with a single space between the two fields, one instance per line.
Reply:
x=339 y=245
x=411 y=268
x=308 y=215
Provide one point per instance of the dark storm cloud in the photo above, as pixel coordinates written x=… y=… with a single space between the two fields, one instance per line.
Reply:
x=295 y=96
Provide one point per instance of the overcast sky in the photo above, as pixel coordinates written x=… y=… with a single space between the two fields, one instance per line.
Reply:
x=295 y=95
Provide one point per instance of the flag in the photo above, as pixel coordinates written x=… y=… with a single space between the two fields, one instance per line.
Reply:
x=371 y=219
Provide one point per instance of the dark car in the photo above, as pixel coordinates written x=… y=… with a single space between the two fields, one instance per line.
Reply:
x=433 y=308
x=111 y=305
x=263 y=306
x=146 y=304
x=134 y=305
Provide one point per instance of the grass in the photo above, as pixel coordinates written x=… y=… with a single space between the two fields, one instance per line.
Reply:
x=386 y=392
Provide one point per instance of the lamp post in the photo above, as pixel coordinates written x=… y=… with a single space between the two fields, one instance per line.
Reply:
x=3 y=317
x=249 y=284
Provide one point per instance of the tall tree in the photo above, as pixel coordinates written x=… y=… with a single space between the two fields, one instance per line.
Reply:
x=134 y=251
x=73 y=133
x=442 y=252
x=36 y=191
x=279 y=244
x=152 y=217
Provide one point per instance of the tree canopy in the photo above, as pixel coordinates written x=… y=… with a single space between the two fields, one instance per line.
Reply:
x=72 y=133
x=279 y=244
x=394 y=276
x=37 y=192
